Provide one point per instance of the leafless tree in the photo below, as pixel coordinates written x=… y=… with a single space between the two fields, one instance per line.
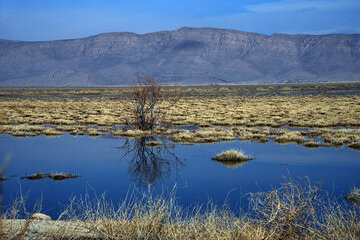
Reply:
x=150 y=104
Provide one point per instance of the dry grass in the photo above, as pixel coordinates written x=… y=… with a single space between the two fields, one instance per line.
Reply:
x=53 y=176
x=289 y=212
x=274 y=111
x=231 y=156
x=132 y=133
x=290 y=137
x=293 y=211
x=36 y=176
x=2 y=116
x=153 y=143
x=61 y=176
x=311 y=144
x=203 y=135
x=222 y=118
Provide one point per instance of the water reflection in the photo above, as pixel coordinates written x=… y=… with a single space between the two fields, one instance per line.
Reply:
x=94 y=159
x=150 y=159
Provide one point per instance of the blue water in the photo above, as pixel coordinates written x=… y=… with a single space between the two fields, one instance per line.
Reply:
x=104 y=168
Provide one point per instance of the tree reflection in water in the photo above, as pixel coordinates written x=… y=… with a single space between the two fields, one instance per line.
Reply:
x=150 y=159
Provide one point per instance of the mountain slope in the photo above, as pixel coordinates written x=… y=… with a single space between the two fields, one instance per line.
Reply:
x=183 y=56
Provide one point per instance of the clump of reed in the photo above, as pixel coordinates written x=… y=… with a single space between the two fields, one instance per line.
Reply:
x=290 y=137
x=61 y=176
x=153 y=143
x=36 y=176
x=93 y=132
x=136 y=133
x=311 y=144
x=2 y=116
x=231 y=156
x=203 y=135
x=53 y=176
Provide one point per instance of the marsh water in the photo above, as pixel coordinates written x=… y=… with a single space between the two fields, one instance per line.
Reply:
x=117 y=166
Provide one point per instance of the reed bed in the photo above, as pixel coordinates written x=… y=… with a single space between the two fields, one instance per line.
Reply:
x=296 y=210
x=334 y=119
x=270 y=111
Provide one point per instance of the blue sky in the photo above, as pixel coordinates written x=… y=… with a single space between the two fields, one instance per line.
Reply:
x=35 y=20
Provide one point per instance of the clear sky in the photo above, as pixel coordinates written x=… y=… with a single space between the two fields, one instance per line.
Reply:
x=62 y=19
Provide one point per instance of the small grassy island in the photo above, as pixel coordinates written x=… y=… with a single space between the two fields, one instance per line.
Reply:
x=231 y=156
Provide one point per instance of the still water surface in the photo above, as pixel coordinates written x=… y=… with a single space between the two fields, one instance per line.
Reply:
x=115 y=166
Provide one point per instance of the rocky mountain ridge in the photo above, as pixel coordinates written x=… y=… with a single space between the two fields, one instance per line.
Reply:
x=183 y=56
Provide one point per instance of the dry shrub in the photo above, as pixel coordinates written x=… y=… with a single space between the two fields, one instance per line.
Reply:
x=150 y=104
x=289 y=212
x=339 y=221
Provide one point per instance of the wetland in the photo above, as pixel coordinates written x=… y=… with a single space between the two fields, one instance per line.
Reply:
x=68 y=144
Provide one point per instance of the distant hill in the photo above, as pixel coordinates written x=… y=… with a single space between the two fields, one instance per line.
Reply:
x=182 y=56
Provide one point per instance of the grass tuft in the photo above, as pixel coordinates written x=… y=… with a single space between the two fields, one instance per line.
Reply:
x=231 y=156
x=153 y=143
x=61 y=176
x=36 y=176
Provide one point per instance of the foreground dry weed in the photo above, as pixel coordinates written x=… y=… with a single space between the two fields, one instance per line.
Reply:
x=293 y=211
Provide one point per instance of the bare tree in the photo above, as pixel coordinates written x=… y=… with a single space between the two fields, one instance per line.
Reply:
x=150 y=104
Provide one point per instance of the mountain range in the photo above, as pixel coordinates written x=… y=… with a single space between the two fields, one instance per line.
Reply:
x=186 y=56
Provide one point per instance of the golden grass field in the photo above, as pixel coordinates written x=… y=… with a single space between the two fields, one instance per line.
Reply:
x=335 y=119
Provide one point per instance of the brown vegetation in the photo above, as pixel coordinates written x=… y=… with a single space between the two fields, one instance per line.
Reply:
x=54 y=176
x=293 y=211
x=231 y=156
x=219 y=118
x=149 y=104
x=36 y=176
x=61 y=176
x=299 y=111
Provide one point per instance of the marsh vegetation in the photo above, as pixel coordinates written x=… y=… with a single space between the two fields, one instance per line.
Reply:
x=296 y=210
x=53 y=176
x=231 y=156
x=282 y=116
x=333 y=119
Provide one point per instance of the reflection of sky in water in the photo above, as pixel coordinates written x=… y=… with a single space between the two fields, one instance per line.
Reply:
x=100 y=163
